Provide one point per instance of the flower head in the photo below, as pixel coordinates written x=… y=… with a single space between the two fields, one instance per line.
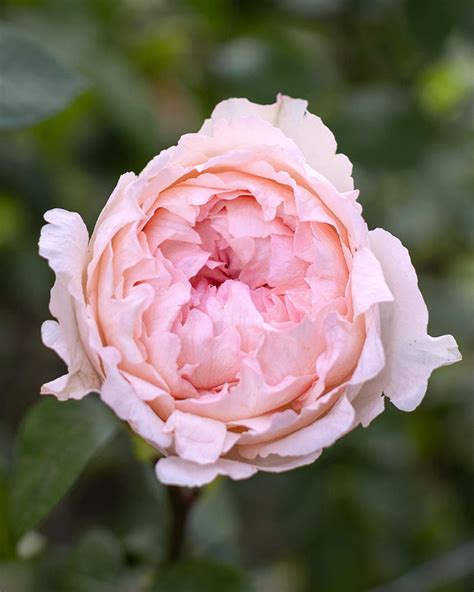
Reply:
x=232 y=305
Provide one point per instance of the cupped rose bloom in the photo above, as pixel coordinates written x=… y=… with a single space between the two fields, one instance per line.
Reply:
x=232 y=305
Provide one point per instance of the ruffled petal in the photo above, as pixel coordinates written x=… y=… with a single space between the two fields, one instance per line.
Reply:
x=274 y=463
x=119 y=395
x=320 y=434
x=411 y=353
x=313 y=138
x=368 y=283
x=197 y=439
x=63 y=243
x=174 y=470
x=252 y=396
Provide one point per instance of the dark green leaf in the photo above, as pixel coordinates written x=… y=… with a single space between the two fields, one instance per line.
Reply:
x=98 y=553
x=55 y=443
x=96 y=563
x=214 y=525
x=201 y=576
x=33 y=84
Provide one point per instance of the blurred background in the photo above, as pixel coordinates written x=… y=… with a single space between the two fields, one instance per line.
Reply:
x=388 y=508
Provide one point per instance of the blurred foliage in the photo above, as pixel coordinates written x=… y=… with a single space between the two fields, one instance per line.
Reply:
x=200 y=576
x=394 y=80
x=55 y=443
x=34 y=85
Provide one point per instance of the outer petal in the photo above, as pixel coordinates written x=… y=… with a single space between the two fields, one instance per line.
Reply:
x=279 y=424
x=309 y=133
x=368 y=284
x=174 y=470
x=321 y=434
x=411 y=354
x=120 y=396
x=198 y=439
x=64 y=243
x=274 y=463
x=177 y=471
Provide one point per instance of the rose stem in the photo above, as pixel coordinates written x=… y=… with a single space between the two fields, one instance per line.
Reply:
x=181 y=501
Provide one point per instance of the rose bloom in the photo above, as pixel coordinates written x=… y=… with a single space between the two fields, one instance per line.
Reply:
x=232 y=306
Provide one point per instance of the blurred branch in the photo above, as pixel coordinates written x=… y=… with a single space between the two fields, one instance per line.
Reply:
x=442 y=571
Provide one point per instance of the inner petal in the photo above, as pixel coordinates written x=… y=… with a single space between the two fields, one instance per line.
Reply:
x=239 y=282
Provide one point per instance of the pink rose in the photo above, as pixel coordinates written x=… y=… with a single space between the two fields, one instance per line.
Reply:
x=232 y=305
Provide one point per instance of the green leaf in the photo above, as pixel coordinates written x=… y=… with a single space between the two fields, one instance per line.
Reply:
x=33 y=84
x=96 y=563
x=99 y=553
x=15 y=575
x=201 y=576
x=214 y=524
x=55 y=443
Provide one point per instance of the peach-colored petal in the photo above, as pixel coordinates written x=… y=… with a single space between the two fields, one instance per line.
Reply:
x=371 y=360
x=279 y=423
x=256 y=269
x=286 y=270
x=244 y=218
x=184 y=256
x=174 y=470
x=296 y=350
x=344 y=342
x=250 y=397
x=163 y=349
x=197 y=439
x=314 y=139
x=233 y=307
x=118 y=211
x=120 y=396
x=213 y=359
x=368 y=283
x=320 y=434
x=165 y=225
x=274 y=463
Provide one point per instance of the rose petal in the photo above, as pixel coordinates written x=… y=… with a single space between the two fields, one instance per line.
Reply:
x=368 y=283
x=197 y=439
x=121 y=397
x=320 y=434
x=411 y=353
x=63 y=243
x=314 y=139
x=184 y=473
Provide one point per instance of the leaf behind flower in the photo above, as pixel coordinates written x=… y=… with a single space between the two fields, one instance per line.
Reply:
x=33 y=83
x=55 y=443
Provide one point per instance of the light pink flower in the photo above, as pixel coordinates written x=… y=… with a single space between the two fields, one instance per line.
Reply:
x=232 y=305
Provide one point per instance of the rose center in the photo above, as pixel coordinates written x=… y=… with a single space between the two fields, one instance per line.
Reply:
x=223 y=265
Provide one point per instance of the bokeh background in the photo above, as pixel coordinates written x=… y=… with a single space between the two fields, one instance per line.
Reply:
x=388 y=508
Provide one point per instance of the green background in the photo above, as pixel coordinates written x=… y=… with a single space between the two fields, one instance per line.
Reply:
x=388 y=508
